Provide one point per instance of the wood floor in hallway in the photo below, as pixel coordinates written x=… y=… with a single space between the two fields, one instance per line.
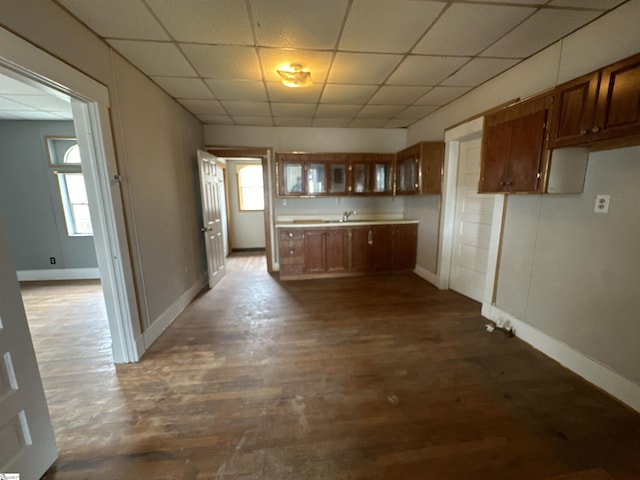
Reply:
x=380 y=377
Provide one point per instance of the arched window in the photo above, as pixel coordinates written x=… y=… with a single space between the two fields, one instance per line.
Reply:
x=73 y=192
x=250 y=187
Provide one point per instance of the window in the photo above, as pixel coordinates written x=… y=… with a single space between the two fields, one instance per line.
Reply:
x=64 y=155
x=250 y=187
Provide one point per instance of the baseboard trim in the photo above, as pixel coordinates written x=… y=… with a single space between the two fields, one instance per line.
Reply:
x=427 y=275
x=592 y=371
x=58 y=274
x=153 y=332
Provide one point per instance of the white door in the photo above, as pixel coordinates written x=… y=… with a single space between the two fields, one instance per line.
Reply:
x=27 y=444
x=212 y=195
x=472 y=226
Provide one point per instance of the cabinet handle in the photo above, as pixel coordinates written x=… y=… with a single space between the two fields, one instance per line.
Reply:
x=595 y=129
x=291 y=252
x=370 y=237
x=290 y=235
x=583 y=132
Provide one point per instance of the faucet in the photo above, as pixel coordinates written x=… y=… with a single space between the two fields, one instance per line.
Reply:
x=346 y=215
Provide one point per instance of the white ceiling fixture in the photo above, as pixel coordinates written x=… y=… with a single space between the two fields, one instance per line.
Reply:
x=372 y=63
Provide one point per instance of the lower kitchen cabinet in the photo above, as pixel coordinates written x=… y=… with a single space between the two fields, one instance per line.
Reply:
x=325 y=251
x=348 y=250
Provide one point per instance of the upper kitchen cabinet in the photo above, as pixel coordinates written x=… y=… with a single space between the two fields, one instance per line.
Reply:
x=514 y=155
x=603 y=105
x=372 y=174
x=419 y=169
x=291 y=170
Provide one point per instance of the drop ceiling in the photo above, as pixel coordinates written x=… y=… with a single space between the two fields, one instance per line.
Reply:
x=26 y=100
x=373 y=63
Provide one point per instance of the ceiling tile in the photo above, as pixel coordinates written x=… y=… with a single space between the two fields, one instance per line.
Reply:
x=211 y=107
x=362 y=68
x=519 y=2
x=478 y=71
x=542 y=29
x=7 y=104
x=211 y=21
x=397 y=95
x=314 y=61
x=347 y=94
x=247 y=120
x=384 y=26
x=601 y=4
x=298 y=23
x=155 y=58
x=417 y=111
x=118 y=18
x=224 y=62
x=238 y=90
x=467 y=29
x=216 y=119
x=41 y=102
x=260 y=109
x=292 y=121
x=380 y=111
x=442 y=95
x=331 y=122
x=337 y=111
x=425 y=70
x=399 y=123
x=368 y=122
x=279 y=93
x=292 y=110
x=179 y=87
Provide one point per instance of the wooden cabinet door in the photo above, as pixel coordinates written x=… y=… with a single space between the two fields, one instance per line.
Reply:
x=361 y=242
x=314 y=251
x=574 y=111
x=618 y=109
x=381 y=248
x=336 y=253
x=496 y=150
x=405 y=244
x=524 y=167
x=432 y=160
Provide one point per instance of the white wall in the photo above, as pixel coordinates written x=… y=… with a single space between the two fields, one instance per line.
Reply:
x=155 y=141
x=571 y=274
x=247 y=227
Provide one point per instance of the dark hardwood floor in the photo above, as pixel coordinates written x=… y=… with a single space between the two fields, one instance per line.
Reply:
x=380 y=377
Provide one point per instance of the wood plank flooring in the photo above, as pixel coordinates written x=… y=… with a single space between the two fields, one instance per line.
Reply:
x=381 y=377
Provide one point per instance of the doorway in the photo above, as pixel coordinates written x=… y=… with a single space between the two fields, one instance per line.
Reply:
x=471 y=223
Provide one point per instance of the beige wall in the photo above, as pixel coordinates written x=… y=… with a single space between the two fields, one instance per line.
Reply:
x=247 y=227
x=155 y=141
x=565 y=270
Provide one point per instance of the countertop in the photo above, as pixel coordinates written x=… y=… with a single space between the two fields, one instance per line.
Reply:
x=313 y=223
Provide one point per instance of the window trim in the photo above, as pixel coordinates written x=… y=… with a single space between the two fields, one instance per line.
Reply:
x=240 y=166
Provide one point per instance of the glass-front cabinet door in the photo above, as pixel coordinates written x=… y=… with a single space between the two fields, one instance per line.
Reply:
x=361 y=172
x=337 y=177
x=382 y=174
x=316 y=178
x=291 y=173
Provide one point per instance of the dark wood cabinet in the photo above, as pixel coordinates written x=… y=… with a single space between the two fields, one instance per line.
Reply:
x=405 y=244
x=349 y=250
x=325 y=251
x=371 y=174
x=514 y=151
x=419 y=169
x=600 y=106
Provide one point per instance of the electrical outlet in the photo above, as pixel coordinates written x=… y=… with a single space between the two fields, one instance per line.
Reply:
x=52 y=260
x=602 y=204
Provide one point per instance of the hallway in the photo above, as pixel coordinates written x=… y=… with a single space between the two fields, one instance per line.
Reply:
x=380 y=377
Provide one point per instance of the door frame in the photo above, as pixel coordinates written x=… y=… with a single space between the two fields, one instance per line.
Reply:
x=453 y=138
x=265 y=154
x=90 y=106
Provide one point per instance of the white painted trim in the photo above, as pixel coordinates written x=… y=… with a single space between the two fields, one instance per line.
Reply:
x=453 y=138
x=90 y=105
x=588 y=368
x=153 y=332
x=425 y=274
x=495 y=240
x=58 y=274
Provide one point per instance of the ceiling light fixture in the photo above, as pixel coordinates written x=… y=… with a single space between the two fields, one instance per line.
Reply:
x=293 y=76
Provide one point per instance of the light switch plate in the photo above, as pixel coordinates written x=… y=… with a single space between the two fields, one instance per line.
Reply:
x=602 y=204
